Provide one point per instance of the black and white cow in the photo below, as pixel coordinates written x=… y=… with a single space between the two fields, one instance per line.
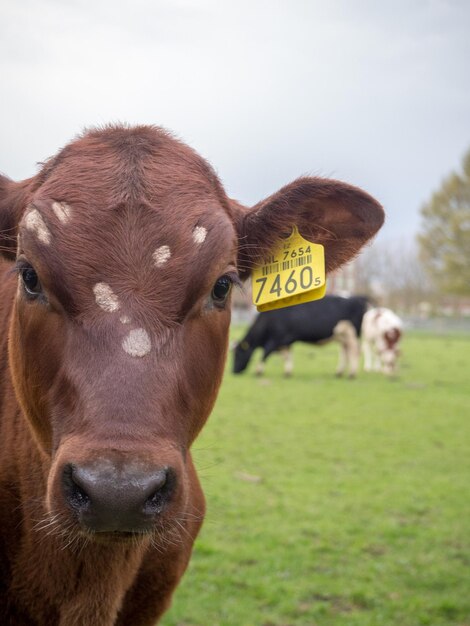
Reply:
x=314 y=322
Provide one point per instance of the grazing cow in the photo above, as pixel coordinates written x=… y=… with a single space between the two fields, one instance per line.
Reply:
x=381 y=334
x=312 y=322
x=119 y=257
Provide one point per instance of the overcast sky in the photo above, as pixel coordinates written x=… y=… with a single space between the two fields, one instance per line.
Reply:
x=374 y=93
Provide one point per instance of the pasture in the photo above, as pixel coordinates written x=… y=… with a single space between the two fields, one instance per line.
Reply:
x=336 y=502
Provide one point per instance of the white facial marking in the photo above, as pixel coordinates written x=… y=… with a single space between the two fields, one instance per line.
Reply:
x=62 y=211
x=137 y=342
x=199 y=234
x=161 y=255
x=105 y=297
x=125 y=319
x=34 y=221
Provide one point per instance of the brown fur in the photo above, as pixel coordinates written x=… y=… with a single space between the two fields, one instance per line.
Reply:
x=392 y=337
x=70 y=394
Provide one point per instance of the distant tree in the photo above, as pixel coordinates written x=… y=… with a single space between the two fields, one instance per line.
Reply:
x=392 y=273
x=445 y=237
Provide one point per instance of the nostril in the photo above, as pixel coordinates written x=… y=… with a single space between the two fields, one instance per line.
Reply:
x=160 y=490
x=75 y=493
x=78 y=498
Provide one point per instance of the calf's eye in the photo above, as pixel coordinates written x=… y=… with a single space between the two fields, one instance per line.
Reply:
x=221 y=289
x=30 y=280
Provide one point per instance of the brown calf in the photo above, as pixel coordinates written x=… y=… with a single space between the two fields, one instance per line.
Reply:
x=119 y=257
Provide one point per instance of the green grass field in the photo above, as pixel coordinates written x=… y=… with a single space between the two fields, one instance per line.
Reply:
x=336 y=502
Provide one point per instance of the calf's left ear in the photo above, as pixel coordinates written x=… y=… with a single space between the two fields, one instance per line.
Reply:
x=340 y=217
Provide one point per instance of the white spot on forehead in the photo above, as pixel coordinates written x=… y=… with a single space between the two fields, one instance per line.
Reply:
x=161 y=255
x=125 y=319
x=35 y=222
x=105 y=297
x=62 y=211
x=199 y=234
x=137 y=342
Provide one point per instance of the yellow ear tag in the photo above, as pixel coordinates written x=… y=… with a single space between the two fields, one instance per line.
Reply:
x=293 y=273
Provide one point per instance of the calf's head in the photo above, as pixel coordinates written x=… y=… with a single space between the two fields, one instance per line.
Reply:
x=126 y=249
x=242 y=353
x=390 y=350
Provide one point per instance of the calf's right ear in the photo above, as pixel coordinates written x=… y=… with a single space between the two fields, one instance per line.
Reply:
x=13 y=201
x=340 y=217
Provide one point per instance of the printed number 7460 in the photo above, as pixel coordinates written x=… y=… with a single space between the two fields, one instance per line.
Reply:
x=304 y=281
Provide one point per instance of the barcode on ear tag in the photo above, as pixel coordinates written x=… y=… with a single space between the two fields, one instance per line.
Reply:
x=293 y=273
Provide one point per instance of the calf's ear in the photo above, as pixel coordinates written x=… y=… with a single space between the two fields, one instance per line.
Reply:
x=13 y=201
x=340 y=217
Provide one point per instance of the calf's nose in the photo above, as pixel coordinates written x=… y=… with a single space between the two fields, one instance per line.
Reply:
x=108 y=498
